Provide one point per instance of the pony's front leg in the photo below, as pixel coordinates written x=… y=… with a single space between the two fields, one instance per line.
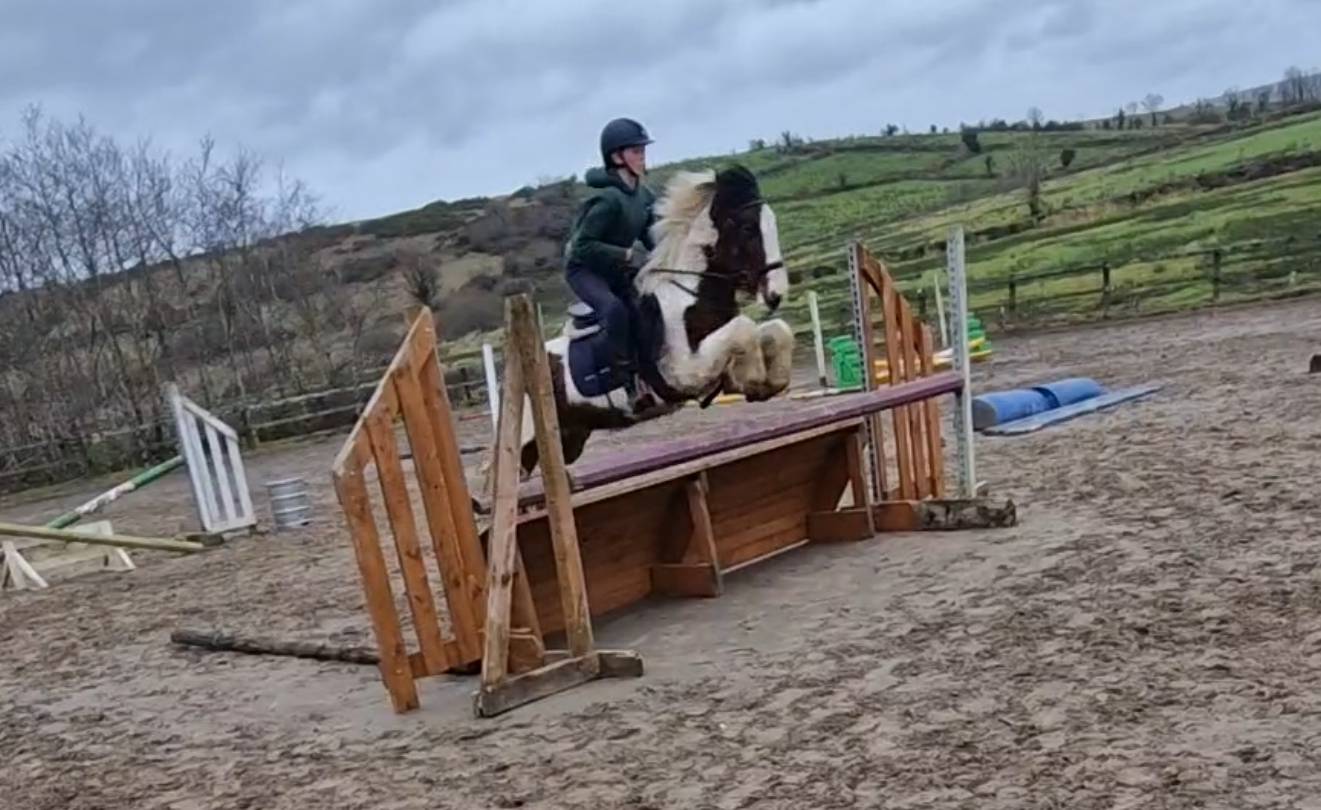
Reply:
x=733 y=351
x=775 y=341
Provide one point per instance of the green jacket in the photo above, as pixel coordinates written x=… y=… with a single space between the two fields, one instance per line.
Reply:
x=610 y=220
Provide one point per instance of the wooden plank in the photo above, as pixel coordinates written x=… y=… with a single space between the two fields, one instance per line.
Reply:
x=442 y=524
x=241 y=483
x=944 y=514
x=526 y=650
x=935 y=448
x=687 y=469
x=703 y=545
x=843 y=526
x=399 y=510
x=828 y=412
x=217 y=467
x=686 y=579
x=503 y=544
x=525 y=330
x=618 y=547
x=749 y=483
x=211 y=420
x=121 y=540
x=864 y=263
x=435 y=397
x=917 y=412
x=496 y=698
x=786 y=531
x=857 y=474
x=219 y=640
x=197 y=455
x=18 y=571
x=401 y=358
x=524 y=609
x=394 y=666
x=770 y=551
x=184 y=436
x=903 y=454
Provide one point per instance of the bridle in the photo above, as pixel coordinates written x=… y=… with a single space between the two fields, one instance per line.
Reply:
x=707 y=274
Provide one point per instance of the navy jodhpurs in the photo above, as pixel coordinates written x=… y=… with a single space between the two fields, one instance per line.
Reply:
x=612 y=300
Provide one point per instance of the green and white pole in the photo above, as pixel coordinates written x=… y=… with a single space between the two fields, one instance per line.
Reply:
x=136 y=482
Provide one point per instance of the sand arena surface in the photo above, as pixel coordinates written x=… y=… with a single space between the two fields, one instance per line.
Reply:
x=1149 y=636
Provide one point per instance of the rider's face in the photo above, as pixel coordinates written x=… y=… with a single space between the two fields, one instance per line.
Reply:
x=635 y=158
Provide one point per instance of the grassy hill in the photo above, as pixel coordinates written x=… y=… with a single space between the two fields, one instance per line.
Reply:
x=1125 y=220
x=1148 y=203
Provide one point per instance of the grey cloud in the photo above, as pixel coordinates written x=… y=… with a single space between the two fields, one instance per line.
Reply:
x=388 y=104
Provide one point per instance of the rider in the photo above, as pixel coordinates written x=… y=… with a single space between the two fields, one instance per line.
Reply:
x=602 y=259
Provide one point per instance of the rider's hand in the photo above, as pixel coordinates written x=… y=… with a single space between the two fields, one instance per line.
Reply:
x=636 y=257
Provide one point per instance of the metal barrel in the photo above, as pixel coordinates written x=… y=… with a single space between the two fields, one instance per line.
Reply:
x=290 y=504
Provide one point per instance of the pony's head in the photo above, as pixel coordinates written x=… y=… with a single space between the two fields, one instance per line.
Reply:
x=717 y=223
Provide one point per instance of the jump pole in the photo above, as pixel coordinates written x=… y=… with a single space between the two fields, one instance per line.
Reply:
x=817 y=339
x=140 y=480
x=958 y=299
x=492 y=385
x=120 y=540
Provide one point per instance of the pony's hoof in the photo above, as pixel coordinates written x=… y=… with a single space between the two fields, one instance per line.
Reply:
x=761 y=392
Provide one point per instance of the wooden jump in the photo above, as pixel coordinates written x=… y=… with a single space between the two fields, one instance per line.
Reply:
x=669 y=519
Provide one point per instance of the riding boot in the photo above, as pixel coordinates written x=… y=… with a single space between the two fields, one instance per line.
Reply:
x=638 y=400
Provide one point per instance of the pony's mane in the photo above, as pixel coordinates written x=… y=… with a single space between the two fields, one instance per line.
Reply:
x=686 y=197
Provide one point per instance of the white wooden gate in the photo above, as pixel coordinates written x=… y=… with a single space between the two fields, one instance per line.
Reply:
x=211 y=449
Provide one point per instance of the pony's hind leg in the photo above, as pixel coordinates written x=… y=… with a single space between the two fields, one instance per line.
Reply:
x=573 y=440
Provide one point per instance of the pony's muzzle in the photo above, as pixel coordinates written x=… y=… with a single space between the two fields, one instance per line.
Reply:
x=774 y=285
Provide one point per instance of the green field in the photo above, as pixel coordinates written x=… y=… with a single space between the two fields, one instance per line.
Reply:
x=1150 y=203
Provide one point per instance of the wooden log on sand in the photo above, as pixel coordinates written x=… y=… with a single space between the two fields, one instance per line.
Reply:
x=261 y=645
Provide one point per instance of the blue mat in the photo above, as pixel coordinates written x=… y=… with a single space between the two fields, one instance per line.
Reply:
x=1037 y=421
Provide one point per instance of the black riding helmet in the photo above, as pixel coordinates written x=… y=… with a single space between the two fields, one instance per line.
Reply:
x=621 y=133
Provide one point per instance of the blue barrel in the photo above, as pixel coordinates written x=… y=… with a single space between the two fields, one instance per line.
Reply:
x=1068 y=391
x=1006 y=406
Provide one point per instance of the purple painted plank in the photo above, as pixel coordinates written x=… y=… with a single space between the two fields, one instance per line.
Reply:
x=652 y=457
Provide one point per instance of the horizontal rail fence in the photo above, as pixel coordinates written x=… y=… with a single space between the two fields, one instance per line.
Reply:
x=111 y=448
x=1237 y=272
x=1150 y=284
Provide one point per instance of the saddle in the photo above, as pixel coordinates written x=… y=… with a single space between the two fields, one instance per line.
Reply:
x=583 y=321
x=591 y=372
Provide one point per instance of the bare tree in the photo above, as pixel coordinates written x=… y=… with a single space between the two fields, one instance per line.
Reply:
x=421 y=277
x=1028 y=166
x=1312 y=86
x=1152 y=103
x=1035 y=117
x=100 y=248
x=1294 y=87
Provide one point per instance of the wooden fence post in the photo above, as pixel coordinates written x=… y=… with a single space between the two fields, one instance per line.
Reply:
x=1105 y=290
x=1215 y=275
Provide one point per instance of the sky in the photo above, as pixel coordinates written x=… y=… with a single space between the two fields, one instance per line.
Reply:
x=384 y=105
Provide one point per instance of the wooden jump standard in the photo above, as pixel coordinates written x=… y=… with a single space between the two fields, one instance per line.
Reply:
x=671 y=519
